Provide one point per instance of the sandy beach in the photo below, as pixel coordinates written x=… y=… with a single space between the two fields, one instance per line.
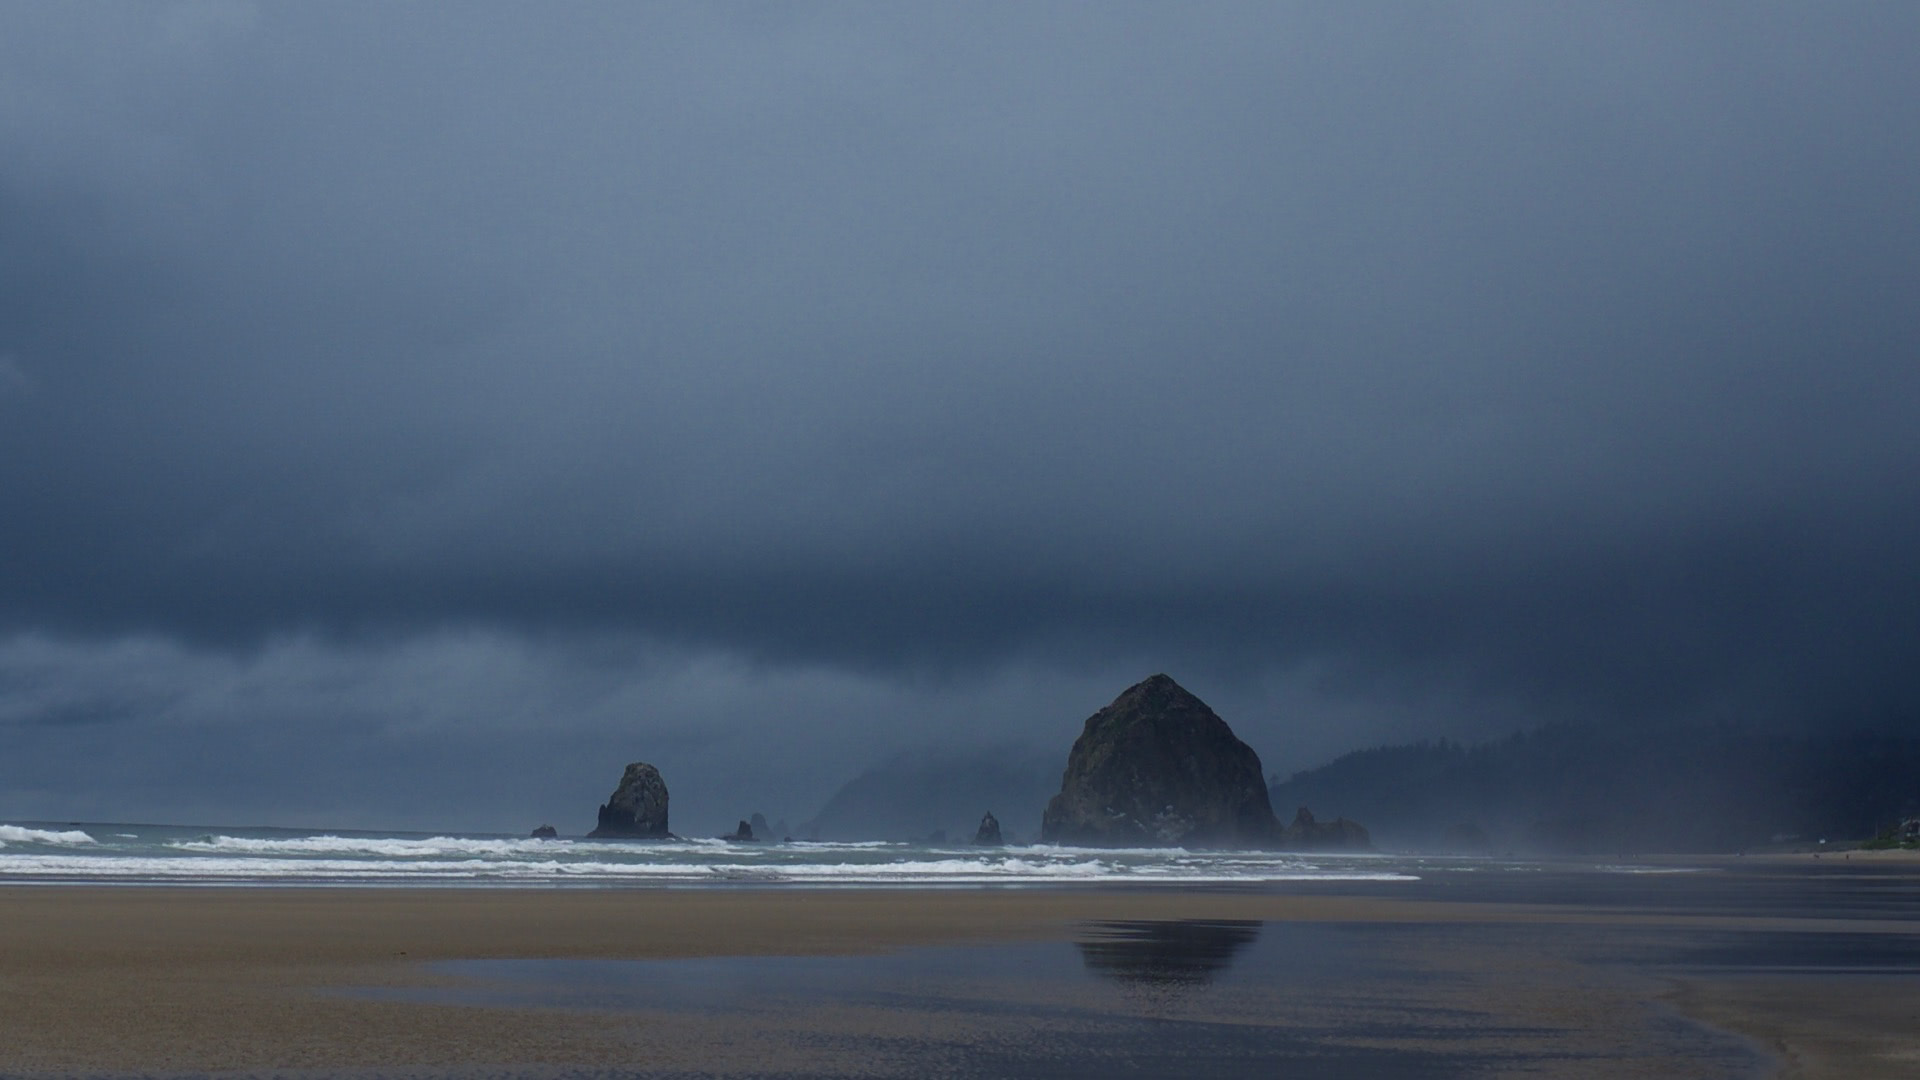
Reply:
x=158 y=979
x=170 y=980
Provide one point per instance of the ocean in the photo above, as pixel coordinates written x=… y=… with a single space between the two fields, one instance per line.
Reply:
x=105 y=853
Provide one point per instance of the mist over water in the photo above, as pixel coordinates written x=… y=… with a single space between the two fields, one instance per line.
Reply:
x=398 y=404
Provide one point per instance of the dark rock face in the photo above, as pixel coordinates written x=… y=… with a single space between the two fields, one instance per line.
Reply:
x=546 y=832
x=1159 y=768
x=989 y=834
x=638 y=807
x=742 y=834
x=1306 y=834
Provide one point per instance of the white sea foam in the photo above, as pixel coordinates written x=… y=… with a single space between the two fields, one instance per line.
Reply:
x=243 y=868
x=439 y=847
x=245 y=856
x=20 y=835
x=435 y=847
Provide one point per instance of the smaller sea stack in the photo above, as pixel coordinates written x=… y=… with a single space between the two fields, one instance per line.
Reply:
x=988 y=834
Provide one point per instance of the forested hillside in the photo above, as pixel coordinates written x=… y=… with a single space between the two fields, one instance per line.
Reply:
x=1594 y=790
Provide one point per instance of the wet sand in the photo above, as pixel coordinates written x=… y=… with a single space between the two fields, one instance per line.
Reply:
x=148 y=979
x=175 y=980
x=1860 y=1026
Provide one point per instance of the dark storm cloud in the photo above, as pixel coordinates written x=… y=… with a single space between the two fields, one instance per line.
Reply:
x=1560 y=357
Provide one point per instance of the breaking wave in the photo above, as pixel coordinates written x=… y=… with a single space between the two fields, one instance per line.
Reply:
x=434 y=847
x=480 y=871
x=265 y=857
x=18 y=834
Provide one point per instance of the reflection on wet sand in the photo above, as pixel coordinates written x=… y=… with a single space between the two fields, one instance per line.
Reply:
x=1165 y=954
x=1479 y=970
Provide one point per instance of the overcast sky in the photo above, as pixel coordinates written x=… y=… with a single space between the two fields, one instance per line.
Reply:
x=409 y=414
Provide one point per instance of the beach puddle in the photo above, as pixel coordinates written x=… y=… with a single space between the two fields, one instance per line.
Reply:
x=1172 y=954
x=1176 y=957
x=1223 y=999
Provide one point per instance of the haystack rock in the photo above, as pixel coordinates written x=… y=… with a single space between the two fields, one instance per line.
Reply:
x=638 y=807
x=546 y=832
x=1159 y=768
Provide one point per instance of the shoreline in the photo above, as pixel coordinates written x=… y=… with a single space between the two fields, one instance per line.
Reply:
x=176 y=979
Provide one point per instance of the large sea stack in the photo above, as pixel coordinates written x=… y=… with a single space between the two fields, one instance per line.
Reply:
x=637 y=808
x=1159 y=768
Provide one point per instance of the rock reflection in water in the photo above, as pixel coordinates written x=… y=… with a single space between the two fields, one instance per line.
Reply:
x=1165 y=954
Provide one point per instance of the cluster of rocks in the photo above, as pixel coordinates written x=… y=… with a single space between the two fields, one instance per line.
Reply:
x=637 y=810
x=1155 y=768
x=1306 y=834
